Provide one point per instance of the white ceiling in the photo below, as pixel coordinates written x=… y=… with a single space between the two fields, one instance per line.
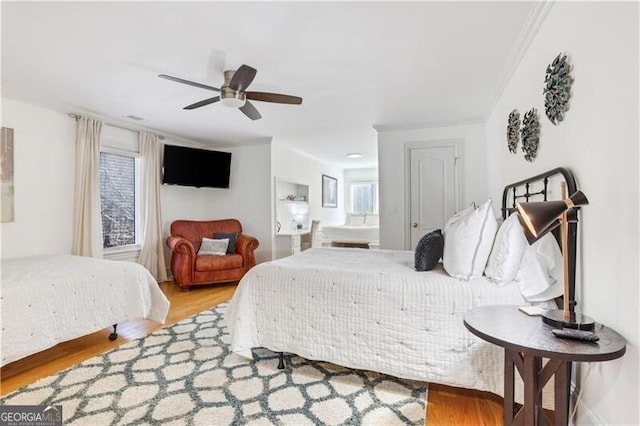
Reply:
x=356 y=65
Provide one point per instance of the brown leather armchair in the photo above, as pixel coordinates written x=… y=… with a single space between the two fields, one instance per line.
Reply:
x=190 y=269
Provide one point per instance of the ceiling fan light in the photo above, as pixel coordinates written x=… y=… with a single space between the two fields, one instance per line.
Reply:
x=231 y=98
x=233 y=102
x=354 y=155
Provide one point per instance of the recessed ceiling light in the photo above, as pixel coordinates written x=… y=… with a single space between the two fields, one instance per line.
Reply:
x=354 y=155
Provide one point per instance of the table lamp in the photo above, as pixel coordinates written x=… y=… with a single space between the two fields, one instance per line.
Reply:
x=539 y=217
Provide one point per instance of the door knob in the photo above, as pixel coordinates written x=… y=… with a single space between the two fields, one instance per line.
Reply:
x=415 y=225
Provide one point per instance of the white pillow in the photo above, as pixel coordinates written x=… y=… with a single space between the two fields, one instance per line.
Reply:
x=356 y=220
x=541 y=273
x=213 y=247
x=468 y=237
x=371 y=219
x=506 y=255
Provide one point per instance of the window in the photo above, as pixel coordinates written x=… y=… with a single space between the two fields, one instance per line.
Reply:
x=364 y=197
x=119 y=199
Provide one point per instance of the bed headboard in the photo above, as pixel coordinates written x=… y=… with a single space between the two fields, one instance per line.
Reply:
x=546 y=187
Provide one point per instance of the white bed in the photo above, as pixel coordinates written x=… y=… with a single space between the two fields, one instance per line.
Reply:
x=369 y=309
x=50 y=299
x=360 y=228
x=351 y=233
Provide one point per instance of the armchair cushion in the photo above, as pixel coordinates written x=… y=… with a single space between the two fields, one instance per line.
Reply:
x=211 y=263
x=232 y=236
x=217 y=247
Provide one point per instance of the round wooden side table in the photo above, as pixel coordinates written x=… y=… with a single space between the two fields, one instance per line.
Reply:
x=526 y=341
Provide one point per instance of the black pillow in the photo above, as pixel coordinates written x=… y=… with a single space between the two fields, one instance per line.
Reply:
x=233 y=237
x=429 y=250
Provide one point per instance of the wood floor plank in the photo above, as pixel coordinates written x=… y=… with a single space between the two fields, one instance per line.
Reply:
x=446 y=405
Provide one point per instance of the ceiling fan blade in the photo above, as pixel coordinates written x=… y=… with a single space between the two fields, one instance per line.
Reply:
x=250 y=111
x=242 y=78
x=190 y=83
x=203 y=103
x=274 y=97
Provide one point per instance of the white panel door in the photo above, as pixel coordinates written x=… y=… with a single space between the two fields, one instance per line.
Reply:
x=433 y=189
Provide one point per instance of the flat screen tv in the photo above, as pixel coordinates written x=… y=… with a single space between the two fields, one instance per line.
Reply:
x=196 y=167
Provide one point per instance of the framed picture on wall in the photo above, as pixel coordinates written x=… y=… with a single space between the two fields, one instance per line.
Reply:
x=6 y=156
x=329 y=191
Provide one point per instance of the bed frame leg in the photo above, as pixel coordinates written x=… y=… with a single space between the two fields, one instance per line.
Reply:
x=280 y=360
x=113 y=336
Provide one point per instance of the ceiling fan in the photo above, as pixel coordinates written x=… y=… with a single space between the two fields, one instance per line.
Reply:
x=233 y=92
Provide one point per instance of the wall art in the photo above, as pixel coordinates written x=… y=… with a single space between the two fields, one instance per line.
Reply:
x=6 y=164
x=530 y=134
x=513 y=131
x=329 y=191
x=557 y=89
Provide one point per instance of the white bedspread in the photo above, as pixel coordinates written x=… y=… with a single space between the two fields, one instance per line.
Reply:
x=351 y=233
x=369 y=309
x=50 y=299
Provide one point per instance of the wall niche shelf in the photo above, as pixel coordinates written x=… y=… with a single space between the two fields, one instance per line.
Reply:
x=292 y=216
x=292 y=207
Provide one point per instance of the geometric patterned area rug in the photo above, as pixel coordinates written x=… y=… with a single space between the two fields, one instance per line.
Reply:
x=185 y=375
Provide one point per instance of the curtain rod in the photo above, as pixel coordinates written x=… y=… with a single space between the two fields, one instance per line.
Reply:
x=76 y=116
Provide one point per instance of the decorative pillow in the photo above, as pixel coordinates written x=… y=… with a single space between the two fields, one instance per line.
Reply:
x=213 y=247
x=233 y=238
x=506 y=254
x=356 y=220
x=429 y=250
x=371 y=219
x=541 y=272
x=347 y=219
x=468 y=237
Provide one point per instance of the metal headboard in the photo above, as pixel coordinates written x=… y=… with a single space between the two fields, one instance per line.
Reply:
x=540 y=188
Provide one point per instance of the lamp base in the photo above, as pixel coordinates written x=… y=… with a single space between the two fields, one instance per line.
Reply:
x=556 y=318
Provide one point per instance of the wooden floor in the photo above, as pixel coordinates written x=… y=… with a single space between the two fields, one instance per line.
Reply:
x=446 y=405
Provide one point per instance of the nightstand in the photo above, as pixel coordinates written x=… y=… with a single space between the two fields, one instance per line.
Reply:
x=526 y=341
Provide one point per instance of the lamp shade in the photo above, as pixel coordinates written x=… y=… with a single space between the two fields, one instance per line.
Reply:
x=538 y=216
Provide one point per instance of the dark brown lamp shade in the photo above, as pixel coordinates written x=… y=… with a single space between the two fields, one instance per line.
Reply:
x=539 y=216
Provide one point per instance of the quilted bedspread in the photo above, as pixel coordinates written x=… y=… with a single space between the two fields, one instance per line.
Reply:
x=50 y=299
x=370 y=310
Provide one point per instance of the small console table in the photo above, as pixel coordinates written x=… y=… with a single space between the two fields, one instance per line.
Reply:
x=526 y=340
x=288 y=243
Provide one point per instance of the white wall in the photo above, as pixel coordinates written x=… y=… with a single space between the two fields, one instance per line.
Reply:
x=44 y=173
x=44 y=151
x=289 y=165
x=248 y=198
x=392 y=169
x=598 y=140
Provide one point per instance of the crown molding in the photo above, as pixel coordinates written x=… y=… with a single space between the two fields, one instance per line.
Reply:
x=528 y=32
x=126 y=125
x=384 y=128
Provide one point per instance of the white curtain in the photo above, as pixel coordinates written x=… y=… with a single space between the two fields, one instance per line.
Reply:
x=152 y=253
x=87 y=220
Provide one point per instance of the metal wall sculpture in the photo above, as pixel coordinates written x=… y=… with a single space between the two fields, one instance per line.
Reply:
x=530 y=134
x=557 y=89
x=513 y=131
